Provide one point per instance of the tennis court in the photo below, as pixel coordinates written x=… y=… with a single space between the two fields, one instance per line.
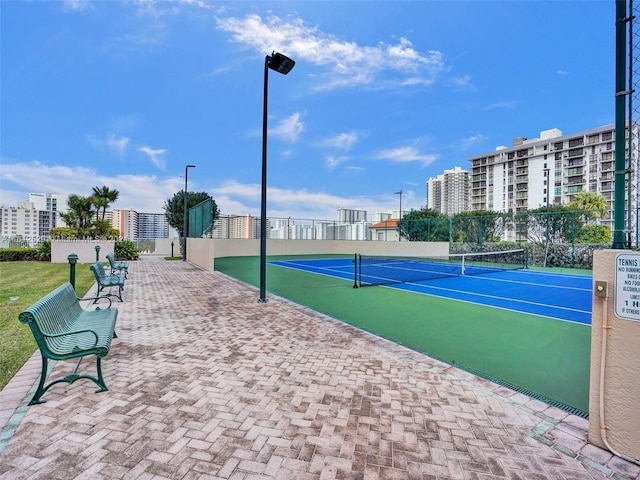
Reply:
x=537 y=344
x=560 y=296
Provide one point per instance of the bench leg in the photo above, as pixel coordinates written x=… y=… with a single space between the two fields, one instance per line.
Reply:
x=109 y=294
x=100 y=381
x=40 y=390
x=71 y=378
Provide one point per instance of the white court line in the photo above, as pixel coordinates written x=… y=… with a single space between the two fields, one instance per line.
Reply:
x=497 y=298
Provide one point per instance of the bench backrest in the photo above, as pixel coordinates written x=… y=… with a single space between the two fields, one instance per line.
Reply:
x=98 y=269
x=111 y=259
x=53 y=313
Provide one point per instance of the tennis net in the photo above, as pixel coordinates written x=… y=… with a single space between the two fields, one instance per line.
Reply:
x=386 y=270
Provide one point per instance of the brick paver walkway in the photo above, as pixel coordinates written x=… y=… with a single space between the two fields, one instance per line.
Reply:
x=206 y=383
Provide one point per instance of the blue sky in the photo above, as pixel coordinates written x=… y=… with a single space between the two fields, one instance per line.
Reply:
x=383 y=96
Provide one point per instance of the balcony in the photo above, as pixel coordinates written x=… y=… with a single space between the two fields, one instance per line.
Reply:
x=574 y=162
x=576 y=181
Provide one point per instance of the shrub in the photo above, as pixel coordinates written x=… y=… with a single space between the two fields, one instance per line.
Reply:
x=18 y=254
x=126 y=250
x=44 y=250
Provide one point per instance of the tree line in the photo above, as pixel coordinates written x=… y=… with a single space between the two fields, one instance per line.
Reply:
x=576 y=222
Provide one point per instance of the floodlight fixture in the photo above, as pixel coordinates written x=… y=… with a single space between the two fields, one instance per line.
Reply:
x=280 y=63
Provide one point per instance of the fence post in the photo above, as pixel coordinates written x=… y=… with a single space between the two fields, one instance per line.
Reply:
x=573 y=238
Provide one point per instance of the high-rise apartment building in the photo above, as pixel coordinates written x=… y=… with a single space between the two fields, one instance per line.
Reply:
x=238 y=226
x=126 y=222
x=449 y=193
x=348 y=215
x=26 y=222
x=152 y=225
x=51 y=202
x=550 y=170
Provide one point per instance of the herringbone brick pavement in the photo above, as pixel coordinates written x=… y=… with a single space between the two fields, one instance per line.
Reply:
x=207 y=383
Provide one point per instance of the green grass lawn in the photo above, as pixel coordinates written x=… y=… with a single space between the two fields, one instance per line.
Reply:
x=21 y=284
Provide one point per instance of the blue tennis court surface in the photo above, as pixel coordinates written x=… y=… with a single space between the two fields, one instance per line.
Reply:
x=562 y=296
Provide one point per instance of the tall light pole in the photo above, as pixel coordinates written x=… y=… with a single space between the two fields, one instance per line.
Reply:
x=281 y=64
x=186 y=218
x=400 y=214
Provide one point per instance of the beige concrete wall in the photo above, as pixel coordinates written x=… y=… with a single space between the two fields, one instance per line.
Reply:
x=86 y=250
x=242 y=247
x=202 y=252
x=621 y=392
x=163 y=246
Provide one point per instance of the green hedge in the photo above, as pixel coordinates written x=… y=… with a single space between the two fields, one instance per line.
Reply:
x=18 y=254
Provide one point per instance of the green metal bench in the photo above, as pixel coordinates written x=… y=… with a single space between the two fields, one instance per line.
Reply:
x=64 y=330
x=109 y=281
x=118 y=266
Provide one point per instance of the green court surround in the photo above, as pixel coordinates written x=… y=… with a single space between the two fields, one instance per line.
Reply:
x=542 y=356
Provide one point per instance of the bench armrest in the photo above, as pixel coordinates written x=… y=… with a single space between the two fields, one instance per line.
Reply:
x=74 y=332
x=95 y=299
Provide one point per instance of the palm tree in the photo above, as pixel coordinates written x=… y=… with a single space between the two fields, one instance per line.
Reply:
x=99 y=203
x=79 y=214
x=104 y=197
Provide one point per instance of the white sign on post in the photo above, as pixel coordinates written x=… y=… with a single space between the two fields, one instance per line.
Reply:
x=627 y=288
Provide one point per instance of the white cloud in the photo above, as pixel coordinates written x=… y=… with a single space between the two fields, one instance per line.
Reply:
x=333 y=162
x=463 y=83
x=288 y=129
x=232 y=197
x=116 y=144
x=155 y=155
x=342 y=141
x=242 y=199
x=471 y=141
x=345 y=63
x=563 y=72
x=76 y=5
x=119 y=145
x=499 y=105
x=406 y=155
x=20 y=179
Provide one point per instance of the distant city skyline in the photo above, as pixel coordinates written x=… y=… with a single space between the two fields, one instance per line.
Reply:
x=125 y=94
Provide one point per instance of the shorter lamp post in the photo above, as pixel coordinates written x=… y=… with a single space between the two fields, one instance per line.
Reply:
x=73 y=259
x=97 y=253
x=185 y=224
x=171 y=248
